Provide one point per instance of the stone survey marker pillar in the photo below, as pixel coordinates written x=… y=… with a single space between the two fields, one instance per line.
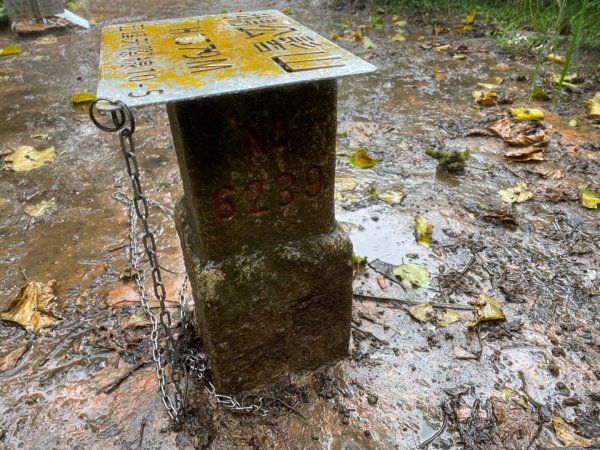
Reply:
x=251 y=99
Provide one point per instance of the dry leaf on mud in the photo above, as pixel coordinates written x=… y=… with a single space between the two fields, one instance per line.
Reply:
x=594 y=105
x=345 y=184
x=516 y=428
x=10 y=359
x=590 y=199
x=32 y=307
x=415 y=275
x=526 y=114
x=552 y=173
x=539 y=139
x=40 y=209
x=461 y=353
x=517 y=194
x=392 y=197
x=26 y=158
x=447 y=316
x=565 y=432
x=425 y=313
x=526 y=154
x=505 y=218
x=361 y=159
x=515 y=134
x=398 y=37
x=486 y=309
x=423 y=231
x=485 y=98
x=368 y=43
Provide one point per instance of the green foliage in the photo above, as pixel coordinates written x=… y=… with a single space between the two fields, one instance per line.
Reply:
x=3 y=15
x=450 y=161
x=546 y=21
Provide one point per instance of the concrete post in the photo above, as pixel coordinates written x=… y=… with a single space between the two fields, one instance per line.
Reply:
x=270 y=270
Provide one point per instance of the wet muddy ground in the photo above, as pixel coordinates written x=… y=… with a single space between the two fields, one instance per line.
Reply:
x=530 y=381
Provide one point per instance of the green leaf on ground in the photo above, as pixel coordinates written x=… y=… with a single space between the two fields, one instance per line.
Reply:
x=590 y=199
x=415 y=275
x=359 y=260
x=510 y=395
x=539 y=93
x=526 y=114
x=359 y=263
x=392 y=197
x=486 y=309
x=361 y=159
x=376 y=21
x=423 y=231
x=517 y=194
x=26 y=158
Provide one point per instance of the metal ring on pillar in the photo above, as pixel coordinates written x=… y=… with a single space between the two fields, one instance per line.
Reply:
x=119 y=112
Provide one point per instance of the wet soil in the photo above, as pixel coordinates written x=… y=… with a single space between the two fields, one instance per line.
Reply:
x=89 y=383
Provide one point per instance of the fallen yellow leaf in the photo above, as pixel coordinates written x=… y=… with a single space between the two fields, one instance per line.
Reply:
x=423 y=231
x=555 y=58
x=486 y=309
x=362 y=160
x=368 y=43
x=84 y=97
x=594 y=105
x=526 y=114
x=40 y=209
x=589 y=199
x=471 y=17
x=517 y=194
x=31 y=308
x=566 y=434
x=7 y=51
x=26 y=158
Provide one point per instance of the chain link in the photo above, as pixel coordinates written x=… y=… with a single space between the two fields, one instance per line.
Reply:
x=188 y=362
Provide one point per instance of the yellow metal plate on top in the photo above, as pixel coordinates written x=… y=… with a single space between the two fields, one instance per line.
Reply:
x=164 y=61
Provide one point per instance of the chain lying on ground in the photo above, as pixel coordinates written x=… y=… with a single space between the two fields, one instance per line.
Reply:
x=183 y=363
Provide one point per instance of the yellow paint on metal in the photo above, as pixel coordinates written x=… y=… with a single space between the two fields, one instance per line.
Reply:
x=163 y=58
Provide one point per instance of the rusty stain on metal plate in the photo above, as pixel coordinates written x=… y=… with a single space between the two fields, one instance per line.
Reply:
x=165 y=61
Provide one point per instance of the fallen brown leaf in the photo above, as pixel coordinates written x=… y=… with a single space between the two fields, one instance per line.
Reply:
x=461 y=353
x=10 y=359
x=32 y=307
x=526 y=154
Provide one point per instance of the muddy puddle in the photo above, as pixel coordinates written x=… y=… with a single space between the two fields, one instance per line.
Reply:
x=88 y=381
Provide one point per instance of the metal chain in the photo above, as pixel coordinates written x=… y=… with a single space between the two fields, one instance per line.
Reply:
x=189 y=363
